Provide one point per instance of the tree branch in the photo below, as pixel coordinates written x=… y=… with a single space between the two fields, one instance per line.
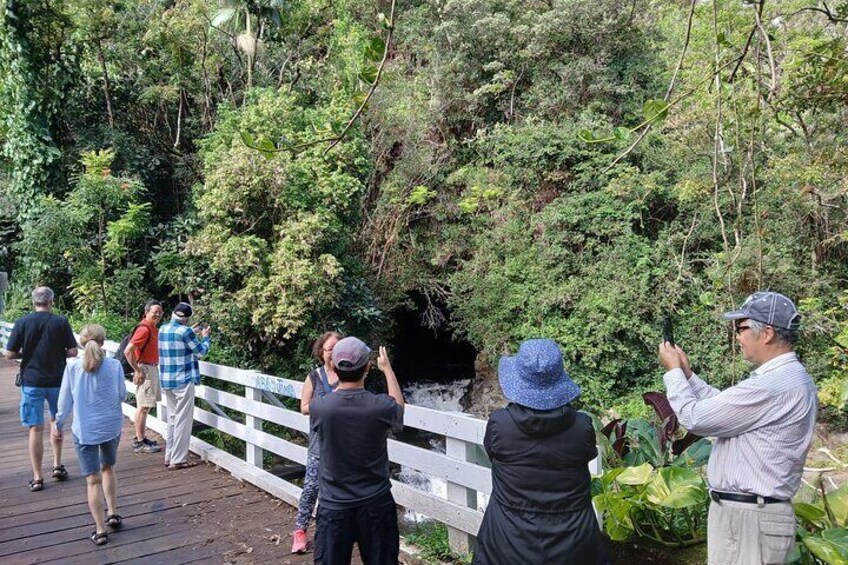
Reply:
x=335 y=140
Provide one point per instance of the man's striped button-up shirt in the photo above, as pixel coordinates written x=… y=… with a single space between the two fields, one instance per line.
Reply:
x=763 y=426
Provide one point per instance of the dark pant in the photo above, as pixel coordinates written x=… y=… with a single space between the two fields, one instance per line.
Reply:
x=372 y=526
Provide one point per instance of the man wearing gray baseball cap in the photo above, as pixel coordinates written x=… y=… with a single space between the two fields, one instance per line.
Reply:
x=355 y=504
x=762 y=427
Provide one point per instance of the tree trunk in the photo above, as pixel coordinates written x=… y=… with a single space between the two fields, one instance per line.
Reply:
x=107 y=88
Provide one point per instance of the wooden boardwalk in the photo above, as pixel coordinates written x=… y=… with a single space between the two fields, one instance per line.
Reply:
x=201 y=514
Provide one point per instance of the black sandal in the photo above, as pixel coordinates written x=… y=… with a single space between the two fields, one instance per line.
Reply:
x=36 y=485
x=60 y=473
x=114 y=521
x=100 y=539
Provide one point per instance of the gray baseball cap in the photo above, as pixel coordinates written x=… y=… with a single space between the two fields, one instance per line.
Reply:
x=350 y=354
x=770 y=308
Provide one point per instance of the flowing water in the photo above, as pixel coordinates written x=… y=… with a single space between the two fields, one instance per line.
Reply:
x=445 y=397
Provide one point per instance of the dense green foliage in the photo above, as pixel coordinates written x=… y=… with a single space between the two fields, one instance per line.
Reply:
x=569 y=169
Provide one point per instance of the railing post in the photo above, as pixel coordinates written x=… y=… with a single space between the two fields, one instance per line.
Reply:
x=461 y=542
x=162 y=411
x=253 y=454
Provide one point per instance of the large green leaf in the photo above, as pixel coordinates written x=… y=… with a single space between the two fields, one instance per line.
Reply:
x=622 y=134
x=640 y=475
x=695 y=455
x=838 y=502
x=646 y=441
x=266 y=147
x=808 y=512
x=368 y=74
x=375 y=49
x=616 y=510
x=826 y=550
x=839 y=537
x=655 y=110
x=247 y=139
x=222 y=16
x=677 y=487
x=609 y=477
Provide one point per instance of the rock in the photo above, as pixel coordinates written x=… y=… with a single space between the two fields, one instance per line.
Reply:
x=486 y=395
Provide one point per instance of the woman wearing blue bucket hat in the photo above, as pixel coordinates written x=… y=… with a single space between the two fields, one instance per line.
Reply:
x=540 y=510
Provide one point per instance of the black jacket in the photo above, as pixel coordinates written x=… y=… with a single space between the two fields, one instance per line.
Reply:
x=540 y=510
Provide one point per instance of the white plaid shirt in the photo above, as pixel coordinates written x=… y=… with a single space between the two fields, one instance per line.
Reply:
x=179 y=349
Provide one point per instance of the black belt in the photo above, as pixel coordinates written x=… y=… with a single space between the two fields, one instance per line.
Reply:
x=717 y=496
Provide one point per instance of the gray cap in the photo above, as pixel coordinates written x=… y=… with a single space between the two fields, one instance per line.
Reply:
x=350 y=354
x=770 y=308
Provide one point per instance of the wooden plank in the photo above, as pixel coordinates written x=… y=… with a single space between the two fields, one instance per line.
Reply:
x=54 y=525
x=154 y=492
x=148 y=519
x=26 y=529
x=254 y=379
x=264 y=440
x=448 y=513
x=459 y=540
x=442 y=466
x=255 y=408
x=460 y=426
x=254 y=453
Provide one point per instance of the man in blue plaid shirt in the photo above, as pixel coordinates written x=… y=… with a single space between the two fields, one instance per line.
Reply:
x=179 y=350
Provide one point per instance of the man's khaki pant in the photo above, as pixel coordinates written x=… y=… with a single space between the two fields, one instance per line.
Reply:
x=180 y=403
x=740 y=533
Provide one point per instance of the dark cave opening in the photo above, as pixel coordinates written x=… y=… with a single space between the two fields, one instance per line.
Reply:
x=424 y=354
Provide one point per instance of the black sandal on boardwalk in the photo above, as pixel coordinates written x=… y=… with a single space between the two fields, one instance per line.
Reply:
x=36 y=485
x=60 y=473
x=114 y=521
x=100 y=539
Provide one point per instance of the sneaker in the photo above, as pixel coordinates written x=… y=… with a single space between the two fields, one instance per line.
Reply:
x=150 y=442
x=299 y=541
x=142 y=447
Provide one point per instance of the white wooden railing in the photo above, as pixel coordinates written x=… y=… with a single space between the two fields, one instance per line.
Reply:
x=463 y=467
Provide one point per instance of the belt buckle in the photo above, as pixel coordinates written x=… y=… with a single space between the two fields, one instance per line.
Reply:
x=716 y=498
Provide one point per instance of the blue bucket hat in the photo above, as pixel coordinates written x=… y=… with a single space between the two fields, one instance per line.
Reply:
x=535 y=377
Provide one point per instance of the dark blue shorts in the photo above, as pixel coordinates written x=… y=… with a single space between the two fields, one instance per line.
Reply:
x=32 y=404
x=92 y=458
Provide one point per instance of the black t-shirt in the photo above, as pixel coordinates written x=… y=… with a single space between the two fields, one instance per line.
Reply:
x=43 y=340
x=354 y=425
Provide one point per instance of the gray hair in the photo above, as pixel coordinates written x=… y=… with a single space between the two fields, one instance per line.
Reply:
x=42 y=296
x=786 y=337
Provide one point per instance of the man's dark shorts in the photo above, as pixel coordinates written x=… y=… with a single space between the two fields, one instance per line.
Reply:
x=374 y=527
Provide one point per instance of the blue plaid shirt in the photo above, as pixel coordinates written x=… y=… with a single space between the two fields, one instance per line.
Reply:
x=179 y=349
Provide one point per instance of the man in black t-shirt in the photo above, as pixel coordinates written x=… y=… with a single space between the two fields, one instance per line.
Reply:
x=355 y=503
x=42 y=341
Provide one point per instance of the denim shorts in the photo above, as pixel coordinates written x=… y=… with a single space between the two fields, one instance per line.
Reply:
x=92 y=458
x=32 y=404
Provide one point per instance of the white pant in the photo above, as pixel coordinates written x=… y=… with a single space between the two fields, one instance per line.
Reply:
x=180 y=405
x=741 y=533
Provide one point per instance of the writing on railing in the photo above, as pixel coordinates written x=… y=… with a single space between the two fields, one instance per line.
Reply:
x=271 y=384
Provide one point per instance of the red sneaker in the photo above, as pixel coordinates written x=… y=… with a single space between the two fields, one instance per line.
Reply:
x=299 y=541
